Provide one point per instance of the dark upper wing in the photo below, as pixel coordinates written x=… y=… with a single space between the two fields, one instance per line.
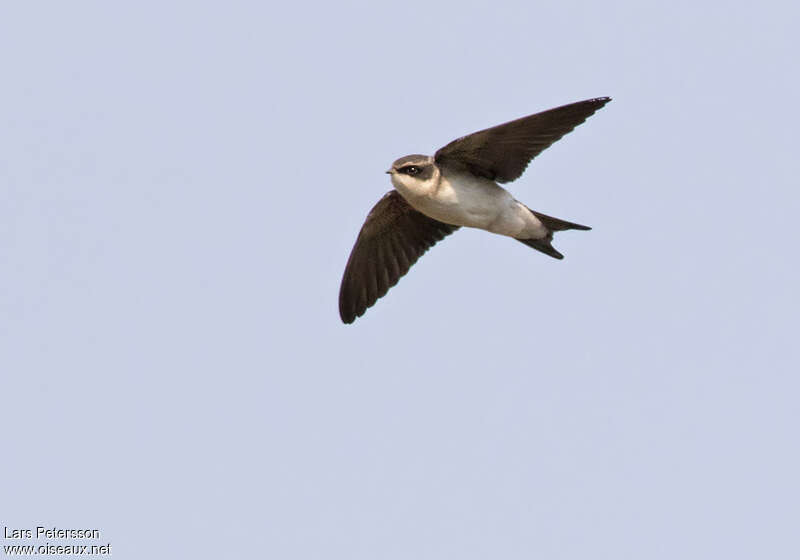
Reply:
x=502 y=153
x=392 y=238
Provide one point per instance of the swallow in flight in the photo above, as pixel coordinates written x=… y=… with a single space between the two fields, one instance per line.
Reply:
x=458 y=186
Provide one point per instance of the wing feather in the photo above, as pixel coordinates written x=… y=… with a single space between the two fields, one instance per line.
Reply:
x=503 y=152
x=391 y=240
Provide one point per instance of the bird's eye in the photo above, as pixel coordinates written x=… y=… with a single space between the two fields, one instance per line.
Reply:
x=410 y=170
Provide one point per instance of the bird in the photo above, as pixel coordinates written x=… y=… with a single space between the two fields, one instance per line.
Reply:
x=459 y=186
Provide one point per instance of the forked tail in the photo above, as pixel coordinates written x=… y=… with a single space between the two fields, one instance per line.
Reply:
x=552 y=224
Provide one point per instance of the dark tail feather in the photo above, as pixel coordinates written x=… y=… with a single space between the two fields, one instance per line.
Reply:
x=552 y=224
x=544 y=245
x=556 y=224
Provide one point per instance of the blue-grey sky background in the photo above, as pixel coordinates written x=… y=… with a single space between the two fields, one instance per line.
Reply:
x=181 y=184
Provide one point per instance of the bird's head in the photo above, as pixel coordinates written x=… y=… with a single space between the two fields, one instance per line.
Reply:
x=414 y=174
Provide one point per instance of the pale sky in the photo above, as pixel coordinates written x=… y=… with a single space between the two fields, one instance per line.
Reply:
x=180 y=187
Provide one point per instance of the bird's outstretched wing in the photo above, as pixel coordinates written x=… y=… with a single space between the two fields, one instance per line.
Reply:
x=502 y=153
x=392 y=238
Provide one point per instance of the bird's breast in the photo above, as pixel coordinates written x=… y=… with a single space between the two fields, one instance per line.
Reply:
x=463 y=200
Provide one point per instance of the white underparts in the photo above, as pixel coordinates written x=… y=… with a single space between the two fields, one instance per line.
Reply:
x=466 y=200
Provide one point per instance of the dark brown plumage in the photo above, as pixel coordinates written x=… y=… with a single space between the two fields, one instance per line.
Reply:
x=392 y=238
x=502 y=153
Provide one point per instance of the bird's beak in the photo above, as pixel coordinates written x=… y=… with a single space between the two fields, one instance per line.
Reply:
x=389 y=171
